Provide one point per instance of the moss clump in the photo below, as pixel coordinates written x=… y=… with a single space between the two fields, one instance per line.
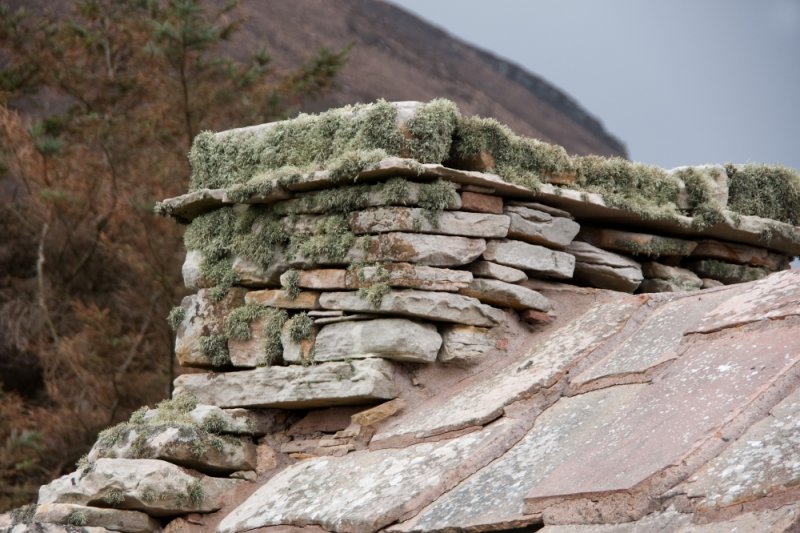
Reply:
x=704 y=206
x=290 y=282
x=435 y=197
x=238 y=327
x=376 y=287
x=238 y=321
x=259 y=235
x=658 y=246
x=214 y=423
x=114 y=497
x=175 y=317
x=331 y=241
x=195 y=492
x=351 y=163
x=517 y=159
x=431 y=131
x=215 y=347
x=77 y=518
x=728 y=273
x=642 y=189
x=300 y=327
x=212 y=234
x=764 y=191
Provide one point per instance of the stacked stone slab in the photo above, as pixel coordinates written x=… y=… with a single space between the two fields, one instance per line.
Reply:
x=330 y=253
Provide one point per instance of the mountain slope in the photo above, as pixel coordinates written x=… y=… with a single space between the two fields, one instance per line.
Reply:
x=398 y=56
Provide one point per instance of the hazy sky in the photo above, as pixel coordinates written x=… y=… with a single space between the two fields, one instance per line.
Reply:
x=679 y=81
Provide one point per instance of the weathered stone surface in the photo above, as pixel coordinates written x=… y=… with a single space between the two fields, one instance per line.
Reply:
x=542 y=366
x=412 y=219
x=603 y=269
x=254 y=276
x=442 y=306
x=775 y=297
x=343 y=318
x=192 y=275
x=538 y=227
x=710 y=394
x=530 y=257
x=764 y=461
x=715 y=177
x=494 y=495
x=487 y=269
x=252 y=352
x=203 y=317
x=391 y=484
x=155 y=487
x=390 y=338
x=654 y=343
x=727 y=273
x=502 y=294
x=373 y=415
x=43 y=527
x=238 y=421
x=740 y=254
x=431 y=250
x=401 y=275
x=280 y=298
x=185 y=446
x=709 y=283
x=481 y=203
x=297 y=351
x=535 y=206
x=294 y=387
x=464 y=343
x=632 y=243
x=112 y=519
x=663 y=278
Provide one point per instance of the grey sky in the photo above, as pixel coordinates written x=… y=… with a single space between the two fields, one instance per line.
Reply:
x=679 y=81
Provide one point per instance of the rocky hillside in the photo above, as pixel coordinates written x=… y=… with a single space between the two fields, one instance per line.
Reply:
x=398 y=56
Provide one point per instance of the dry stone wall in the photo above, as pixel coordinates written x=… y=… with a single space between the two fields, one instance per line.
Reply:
x=332 y=255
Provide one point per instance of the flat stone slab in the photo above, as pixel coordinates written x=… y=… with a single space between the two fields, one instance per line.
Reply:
x=184 y=446
x=604 y=269
x=543 y=365
x=429 y=305
x=155 y=487
x=294 y=387
x=494 y=495
x=390 y=338
x=111 y=519
x=538 y=227
x=654 y=343
x=727 y=273
x=465 y=343
x=202 y=317
x=530 y=257
x=775 y=297
x=418 y=248
x=367 y=490
x=710 y=394
x=400 y=275
x=282 y=299
x=764 y=461
x=481 y=203
x=412 y=219
x=632 y=243
x=664 y=278
x=238 y=421
x=740 y=254
x=487 y=269
x=502 y=294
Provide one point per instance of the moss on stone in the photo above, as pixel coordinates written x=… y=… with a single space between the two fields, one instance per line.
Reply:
x=728 y=273
x=431 y=131
x=645 y=190
x=330 y=242
x=290 y=282
x=175 y=317
x=765 y=191
x=517 y=159
x=215 y=347
x=300 y=326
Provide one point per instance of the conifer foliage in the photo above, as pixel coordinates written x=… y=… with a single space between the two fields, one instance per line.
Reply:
x=99 y=103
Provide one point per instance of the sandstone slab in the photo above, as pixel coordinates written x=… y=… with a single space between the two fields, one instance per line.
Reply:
x=603 y=269
x=538 y=227
x=541 y=367
x=400 y=275
x=110 y=519
x=443 y=306
x=716 y=389
x=298 y=351
x=530 y=257
x=487 y=269
x=764 y=461
x=238 y=421
x=502 y=294
x=155 y=487
x=542 y=208
x=494 y=495
x=655 y=342
x=727 y=273
x=633 y=243
x=390 y=484
x=203 y=318
x=252 y=352
x=775 y=297
x=183 y=445
x=664 y=278
x=412 y=219
x=193 y=277
x=282 y=299
x=481 y=203
x=740 y=254
x=294 y=387
x=465 y=343
x=390 y=338
x=418 y=248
